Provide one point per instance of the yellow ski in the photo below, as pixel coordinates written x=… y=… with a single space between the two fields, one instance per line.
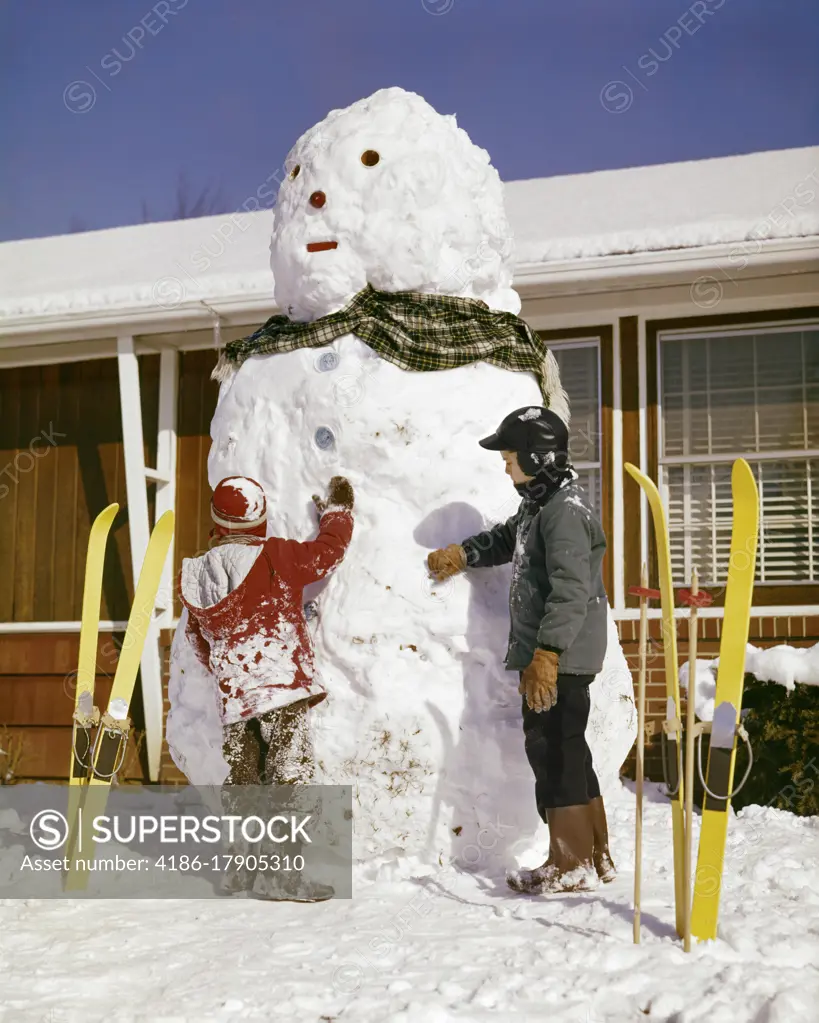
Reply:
x=727 y=703
x=85 y=714
x=672 y=726
x=114 y=727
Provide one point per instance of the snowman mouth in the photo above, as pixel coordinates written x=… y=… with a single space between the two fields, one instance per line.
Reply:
x=321 y=246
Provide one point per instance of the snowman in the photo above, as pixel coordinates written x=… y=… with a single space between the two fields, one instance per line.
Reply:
x=356 y=377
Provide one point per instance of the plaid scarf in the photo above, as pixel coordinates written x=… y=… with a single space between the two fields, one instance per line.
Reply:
x=414 y=331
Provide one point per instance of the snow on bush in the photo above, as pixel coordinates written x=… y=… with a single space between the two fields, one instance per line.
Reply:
x=784 y=664
x=780 y=721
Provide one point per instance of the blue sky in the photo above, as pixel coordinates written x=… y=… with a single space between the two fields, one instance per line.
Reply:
x=93 y=124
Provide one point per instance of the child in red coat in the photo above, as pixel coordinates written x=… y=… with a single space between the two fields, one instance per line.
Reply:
x=246 y=617
x=247 y=625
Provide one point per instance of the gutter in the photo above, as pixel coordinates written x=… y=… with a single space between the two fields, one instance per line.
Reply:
x=664 y=266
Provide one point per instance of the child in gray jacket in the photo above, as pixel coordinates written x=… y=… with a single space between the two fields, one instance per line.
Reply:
x=557 y=640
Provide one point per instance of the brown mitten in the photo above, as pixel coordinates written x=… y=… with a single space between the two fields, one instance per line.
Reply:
x=446 y=562
x=539 y=681
x=340 y=495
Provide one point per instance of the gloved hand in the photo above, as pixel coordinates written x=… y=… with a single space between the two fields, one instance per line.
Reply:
x=539 y=681
x=446 y=562
x=340 y=494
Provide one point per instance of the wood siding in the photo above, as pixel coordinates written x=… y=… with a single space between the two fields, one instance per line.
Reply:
x=61 y=449
x=37 y=685
x=51 y=492
x=49 y=496
x=197 y=402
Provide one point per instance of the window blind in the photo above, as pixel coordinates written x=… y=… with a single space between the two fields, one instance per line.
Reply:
x=754 y=396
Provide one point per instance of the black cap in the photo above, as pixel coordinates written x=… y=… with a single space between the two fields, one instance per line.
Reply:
x=531 y=428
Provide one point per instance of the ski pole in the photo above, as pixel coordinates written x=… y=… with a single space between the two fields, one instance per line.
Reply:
x=694 y=599
x=645 y=594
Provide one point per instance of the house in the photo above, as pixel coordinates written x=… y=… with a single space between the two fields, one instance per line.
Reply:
x=682 y=302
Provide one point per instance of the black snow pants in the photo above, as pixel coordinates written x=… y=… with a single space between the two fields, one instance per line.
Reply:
x=556 y=747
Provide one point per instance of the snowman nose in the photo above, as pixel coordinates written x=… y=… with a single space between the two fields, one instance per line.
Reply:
x=318 y=199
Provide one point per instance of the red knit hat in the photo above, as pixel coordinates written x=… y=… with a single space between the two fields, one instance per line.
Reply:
x=238 y=503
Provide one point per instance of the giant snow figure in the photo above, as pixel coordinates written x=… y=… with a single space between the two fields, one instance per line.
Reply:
x=421 y=717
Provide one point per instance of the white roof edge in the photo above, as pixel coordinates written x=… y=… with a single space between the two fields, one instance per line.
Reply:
x=661 y=262
x=603 y=273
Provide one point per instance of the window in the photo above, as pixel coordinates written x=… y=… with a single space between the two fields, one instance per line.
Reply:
x=579 y=364
x=741 y=394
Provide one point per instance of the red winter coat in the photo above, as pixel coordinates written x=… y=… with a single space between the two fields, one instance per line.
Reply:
x=246 y=616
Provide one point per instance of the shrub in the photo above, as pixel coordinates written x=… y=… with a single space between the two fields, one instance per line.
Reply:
x=783 y=728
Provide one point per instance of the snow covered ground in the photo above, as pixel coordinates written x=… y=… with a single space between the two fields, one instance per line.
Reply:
x=445 y=946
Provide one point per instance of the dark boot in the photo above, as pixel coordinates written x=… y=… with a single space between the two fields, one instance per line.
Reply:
x=569 y=867
x=290 y=888
x=288 y=885
x=603 y=863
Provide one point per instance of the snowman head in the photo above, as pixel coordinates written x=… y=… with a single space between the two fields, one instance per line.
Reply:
x=389 y=192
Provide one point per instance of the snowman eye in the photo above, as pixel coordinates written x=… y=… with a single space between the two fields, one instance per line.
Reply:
x=295 y=172
x=370 y=158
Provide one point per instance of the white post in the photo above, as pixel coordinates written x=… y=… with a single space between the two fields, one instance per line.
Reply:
x=133 y=446
x=139 y=530
x=166 y=469
x=688 y=786
x=615 y=481
x=642 y=416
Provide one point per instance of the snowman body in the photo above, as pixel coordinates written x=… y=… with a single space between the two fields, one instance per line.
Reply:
x=422 y=717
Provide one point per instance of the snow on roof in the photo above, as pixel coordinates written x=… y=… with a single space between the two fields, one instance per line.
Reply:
x=567 y=218
x=149 y=265
x=668 y=206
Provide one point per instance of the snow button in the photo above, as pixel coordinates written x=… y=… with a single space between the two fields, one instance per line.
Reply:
x=324 y=438
x=327 y=361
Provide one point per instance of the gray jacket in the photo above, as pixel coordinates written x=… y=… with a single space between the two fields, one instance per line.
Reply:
x=557 y=600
